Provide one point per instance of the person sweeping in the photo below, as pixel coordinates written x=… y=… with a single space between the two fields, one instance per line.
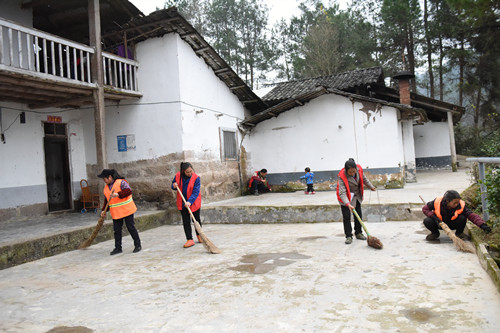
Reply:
x=451 y=210
x=350 y=189
x=189 y=183
x=121 y=206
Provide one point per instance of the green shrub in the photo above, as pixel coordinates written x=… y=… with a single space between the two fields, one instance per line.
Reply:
x=492 y=183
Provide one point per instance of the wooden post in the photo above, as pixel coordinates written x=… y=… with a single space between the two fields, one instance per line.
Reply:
x=452 y=143
x=98 y=78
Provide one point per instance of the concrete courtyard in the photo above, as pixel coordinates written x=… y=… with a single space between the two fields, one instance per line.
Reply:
x=269 y=278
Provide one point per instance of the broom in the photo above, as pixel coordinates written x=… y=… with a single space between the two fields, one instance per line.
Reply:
x=460 y=245
x=371 y=240
x=207 y=243
x=98 y=227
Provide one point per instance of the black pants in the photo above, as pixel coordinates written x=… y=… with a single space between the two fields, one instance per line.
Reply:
x=258 y=186
x=346 y=215
x=458 y=224
x=186 y=222
x=310 y=188
x=118 y=226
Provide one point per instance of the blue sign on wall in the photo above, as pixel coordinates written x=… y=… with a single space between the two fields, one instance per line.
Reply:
x=122 y=142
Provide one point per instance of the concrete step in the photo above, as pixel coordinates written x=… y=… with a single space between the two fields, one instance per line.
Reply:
x=303 y=214
x=26 y=250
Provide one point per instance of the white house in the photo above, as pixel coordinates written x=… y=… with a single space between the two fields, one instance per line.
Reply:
x=148 y=92
x=322 y=122
x=176 y=101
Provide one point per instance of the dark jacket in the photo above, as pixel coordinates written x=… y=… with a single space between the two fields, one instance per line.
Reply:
x=447 y=213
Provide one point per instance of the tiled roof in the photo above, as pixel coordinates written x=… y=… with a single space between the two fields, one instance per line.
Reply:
x=347 y=81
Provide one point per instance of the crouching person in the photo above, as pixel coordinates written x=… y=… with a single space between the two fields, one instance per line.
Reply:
x=121 y=207
x=451 y=210
x=258 y=183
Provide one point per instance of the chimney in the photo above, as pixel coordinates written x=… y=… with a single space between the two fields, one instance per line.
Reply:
x=404 y=78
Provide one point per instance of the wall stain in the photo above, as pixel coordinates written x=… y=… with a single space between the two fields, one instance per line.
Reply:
x=282 y=127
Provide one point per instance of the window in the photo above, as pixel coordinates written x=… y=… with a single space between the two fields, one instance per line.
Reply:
x=228 y=144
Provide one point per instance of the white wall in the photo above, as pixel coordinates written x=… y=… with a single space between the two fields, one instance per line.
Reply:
x=154 y=120
x=23 y=156
x=202 y=90
x=432 y=139
x=323 y=134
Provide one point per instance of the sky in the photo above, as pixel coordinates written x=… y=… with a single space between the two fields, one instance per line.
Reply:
x=277 y=8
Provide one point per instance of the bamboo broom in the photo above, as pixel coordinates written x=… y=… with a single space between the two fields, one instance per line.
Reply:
x=98 y=227
x=371 y=240
x=207 y=243
x=460 y=245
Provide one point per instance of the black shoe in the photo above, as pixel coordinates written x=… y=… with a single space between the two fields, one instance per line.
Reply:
x=137 y=249
x=433 y=236
x=115 y=251
x=256 y=193
x=463 y=236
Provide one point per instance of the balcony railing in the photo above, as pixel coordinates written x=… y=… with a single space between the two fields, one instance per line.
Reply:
x=120 y=72
x=30 y=51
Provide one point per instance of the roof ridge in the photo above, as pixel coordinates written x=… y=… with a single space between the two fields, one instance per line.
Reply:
x=329 y=76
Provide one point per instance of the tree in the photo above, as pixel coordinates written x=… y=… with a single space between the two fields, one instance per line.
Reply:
x=333 y=40
x=481 y=33
x=253 y=45
x=399 y=32
x=191 y=10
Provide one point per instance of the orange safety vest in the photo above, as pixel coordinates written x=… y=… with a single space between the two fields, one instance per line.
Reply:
x=119 y=208
x=197 y=203
x=437 y=208
x=343 y=176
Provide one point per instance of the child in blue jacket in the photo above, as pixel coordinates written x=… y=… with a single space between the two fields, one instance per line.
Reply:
x=309 y=177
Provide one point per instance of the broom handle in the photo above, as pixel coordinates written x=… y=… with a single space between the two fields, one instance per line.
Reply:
x=359 y=219
x=189 y=209
x=107 y=203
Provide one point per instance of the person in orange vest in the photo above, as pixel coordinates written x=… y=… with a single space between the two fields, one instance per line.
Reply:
x=351 y=182
x=190 y=184
x=450 y=209
x=118 y=193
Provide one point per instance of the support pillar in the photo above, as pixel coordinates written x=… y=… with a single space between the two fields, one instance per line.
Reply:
x=452 y=143
x=98 y=78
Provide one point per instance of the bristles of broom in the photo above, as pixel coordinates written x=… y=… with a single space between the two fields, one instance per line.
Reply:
x=89 y=241
x=374 y=242
x=207 y=243
x=371 y=240
x=98 y=227
x=460 y=245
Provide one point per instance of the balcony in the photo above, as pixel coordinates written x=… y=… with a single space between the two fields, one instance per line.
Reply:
x=43 y=70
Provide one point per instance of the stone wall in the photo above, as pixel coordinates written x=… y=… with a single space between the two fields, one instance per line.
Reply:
x=151 y=179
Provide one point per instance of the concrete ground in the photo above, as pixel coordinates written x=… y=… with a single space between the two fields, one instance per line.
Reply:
x=297 y=277
x=269 y=278
x=429 y=185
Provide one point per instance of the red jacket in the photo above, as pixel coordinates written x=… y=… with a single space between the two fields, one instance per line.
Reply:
x=256 y=178
x=343 y=176
x=197 y=203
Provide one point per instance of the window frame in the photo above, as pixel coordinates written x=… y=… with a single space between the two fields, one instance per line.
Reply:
x=222 y=130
